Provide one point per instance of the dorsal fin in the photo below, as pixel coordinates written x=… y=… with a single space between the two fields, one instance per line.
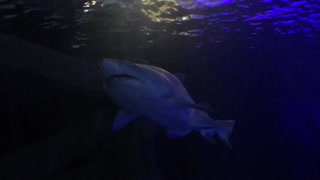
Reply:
x=193 y=105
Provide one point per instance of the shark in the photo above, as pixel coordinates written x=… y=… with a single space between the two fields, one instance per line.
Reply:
x=141 y=90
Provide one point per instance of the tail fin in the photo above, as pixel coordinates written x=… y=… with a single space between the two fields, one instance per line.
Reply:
x=223 y=128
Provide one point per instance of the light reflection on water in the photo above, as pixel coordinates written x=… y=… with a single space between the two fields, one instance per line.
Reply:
x=211 y=20
x=207 y=18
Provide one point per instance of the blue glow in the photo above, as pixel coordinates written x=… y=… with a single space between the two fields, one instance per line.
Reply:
x=210 y=3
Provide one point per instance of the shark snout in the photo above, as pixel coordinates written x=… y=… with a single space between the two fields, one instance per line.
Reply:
x=109 y=67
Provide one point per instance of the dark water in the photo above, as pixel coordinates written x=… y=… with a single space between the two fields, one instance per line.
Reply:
x=254 y=61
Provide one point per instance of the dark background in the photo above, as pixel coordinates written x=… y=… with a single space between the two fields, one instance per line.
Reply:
x=272 y=91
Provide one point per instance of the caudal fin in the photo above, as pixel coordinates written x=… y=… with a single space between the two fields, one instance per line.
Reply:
x=223 y=128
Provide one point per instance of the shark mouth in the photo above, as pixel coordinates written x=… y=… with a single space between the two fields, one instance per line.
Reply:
x=121 y=77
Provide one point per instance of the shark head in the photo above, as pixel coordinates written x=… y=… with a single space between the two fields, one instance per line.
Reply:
x=150 y=80
x=133 y=86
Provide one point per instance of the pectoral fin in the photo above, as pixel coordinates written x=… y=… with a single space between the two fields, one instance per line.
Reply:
x=176 y=133
x=122 y=119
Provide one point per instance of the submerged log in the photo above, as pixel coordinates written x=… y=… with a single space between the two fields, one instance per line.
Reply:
x=19 y=59
x=82 y=115
x=23 y=56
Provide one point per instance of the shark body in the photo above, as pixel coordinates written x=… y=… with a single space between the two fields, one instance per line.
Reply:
x=159 y=96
